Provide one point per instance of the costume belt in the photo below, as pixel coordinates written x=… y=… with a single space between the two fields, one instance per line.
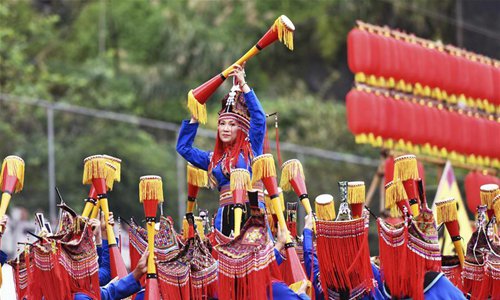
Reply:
x=226 y=197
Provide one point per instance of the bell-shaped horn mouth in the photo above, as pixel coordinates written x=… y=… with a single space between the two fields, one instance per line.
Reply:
x=287 y=22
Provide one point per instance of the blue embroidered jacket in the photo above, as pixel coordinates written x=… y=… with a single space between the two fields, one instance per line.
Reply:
x=201 y=159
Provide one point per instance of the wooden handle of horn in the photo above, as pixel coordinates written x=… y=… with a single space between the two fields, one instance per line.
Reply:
x=307 y=207
x=190 y=206
x=281 y=218
x=415 y=209
x=109 y=228
x=238 y=212
x=460 y=251
x=250 y=53
x=3 y=206
x=87 y=209
x=5 y=203
x=95 y=210
x=151 y=247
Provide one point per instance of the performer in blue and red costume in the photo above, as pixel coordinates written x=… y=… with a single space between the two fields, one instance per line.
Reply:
x=240 y=137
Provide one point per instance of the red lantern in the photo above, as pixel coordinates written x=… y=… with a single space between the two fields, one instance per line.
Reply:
x=360 y=107
x=359 y=52
x=496 y=86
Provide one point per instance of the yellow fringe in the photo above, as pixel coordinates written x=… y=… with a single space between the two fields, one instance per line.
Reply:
x=405 y=167
x=394 y=192
x=263 y=166
x=394 y=212
x=110 y=175
x=289 y=170
x=488 y=193
x=325 y=212
x=285 y=34
x=360 y=77
x=116 y=162
x=240 y=179
x=198 y=110
x=496 y=206
x=356 y=192
x=15 y=167
x=196 y=176
x=446 y=210
x=94 y=167
x=150 y=188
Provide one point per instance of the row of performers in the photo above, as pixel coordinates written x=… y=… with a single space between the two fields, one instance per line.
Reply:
x=75 y=262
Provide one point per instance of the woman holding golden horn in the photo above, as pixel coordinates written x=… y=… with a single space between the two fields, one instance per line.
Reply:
x=240 y=137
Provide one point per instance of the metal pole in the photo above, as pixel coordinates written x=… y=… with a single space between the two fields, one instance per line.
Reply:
x=52 y=164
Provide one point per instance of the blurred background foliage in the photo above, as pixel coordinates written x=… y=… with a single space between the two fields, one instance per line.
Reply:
x=141 y=57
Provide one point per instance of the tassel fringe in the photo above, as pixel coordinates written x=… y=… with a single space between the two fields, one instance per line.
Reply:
x=116 y=162
x=110 y=175
x=15 y=167
x=325 y=212
x=356 y=192
x=196 y=176
x=394 y=192
x=94 y=167
x=150 y=188
x=290 y=170
x=240 y=180
x=198 y=110
x=405 y=167
x=262 y=167
x=446 y=210
x=496 y=206
x=285 y=34
x=488 y=193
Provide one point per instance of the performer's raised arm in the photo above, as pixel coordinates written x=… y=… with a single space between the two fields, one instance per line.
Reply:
x=257 y=116
x=195 y=156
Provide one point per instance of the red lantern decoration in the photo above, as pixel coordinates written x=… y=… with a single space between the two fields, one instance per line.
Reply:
x=362 y=56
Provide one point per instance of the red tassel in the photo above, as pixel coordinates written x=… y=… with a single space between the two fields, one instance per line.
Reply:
x=343 y=256
x=392 y=249
x=452 y=270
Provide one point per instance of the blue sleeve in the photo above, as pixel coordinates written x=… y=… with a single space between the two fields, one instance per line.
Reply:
x=257 y=122
x=3 y=257
x=311 y=258
x=104 y=265
x=99 y=254
x=279 y=257
x=195 y=156
x=122 y=288
x=442 y=288
x=309 y=254
x=282 y=291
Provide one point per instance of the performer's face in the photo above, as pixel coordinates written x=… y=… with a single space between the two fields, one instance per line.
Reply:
x=227 y=130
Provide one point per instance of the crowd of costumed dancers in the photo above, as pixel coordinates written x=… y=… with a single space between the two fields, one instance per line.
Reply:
x=252 y=249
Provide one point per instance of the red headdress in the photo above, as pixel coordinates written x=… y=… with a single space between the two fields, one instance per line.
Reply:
x=234 y=108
